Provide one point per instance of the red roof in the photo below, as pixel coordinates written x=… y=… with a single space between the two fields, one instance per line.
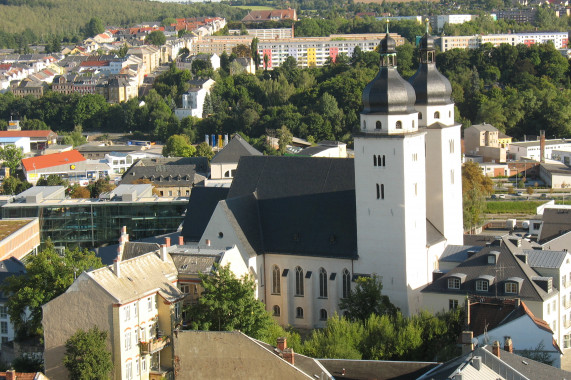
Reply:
x=50 y=160
x=94 y=63
x=36 y=133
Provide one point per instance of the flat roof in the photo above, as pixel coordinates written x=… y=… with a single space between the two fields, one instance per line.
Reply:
x=547 y=142
x=9 y=226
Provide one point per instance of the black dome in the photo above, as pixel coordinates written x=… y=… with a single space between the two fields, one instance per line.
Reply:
x=388 y=92
x=388 y=45
x=430 y=86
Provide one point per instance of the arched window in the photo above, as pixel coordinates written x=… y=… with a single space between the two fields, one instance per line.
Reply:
x=276 y=311
x=322 y=315
x=346 y=283
x=420 y=116
x=275 y=280
x=399 y=124
x=378 y=125
x=298 y=281
x=437 y=115
x=227 y=174
x=299 y=312
x=322 y=283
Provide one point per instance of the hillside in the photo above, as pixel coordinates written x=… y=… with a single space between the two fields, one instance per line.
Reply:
x=67 y=17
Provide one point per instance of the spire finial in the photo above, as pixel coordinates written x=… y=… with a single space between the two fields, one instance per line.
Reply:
x=387 y=21
x=427 y=23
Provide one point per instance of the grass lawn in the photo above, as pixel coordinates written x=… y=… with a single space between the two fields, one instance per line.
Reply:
x=515 y=207
x=255 y=7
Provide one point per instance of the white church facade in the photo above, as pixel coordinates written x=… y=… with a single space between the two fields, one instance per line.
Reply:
x=308 y=227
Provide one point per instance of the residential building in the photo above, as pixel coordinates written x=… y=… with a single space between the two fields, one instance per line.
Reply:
x=135 y=300
x=193 y=100
x=483 y=139
x=559 y=40
x=265 y=34
x=532 y=149
x=439 y=21
x=97 y=151
x=149 y=54
x=270 y=15
x=518 y=15
x=184 y=62
x=316 y=51
x=8 y=267
x=94 y=222
x=171 y=177
x=308 y=226
x=504 y=140
x=218 y=44
x=242 y=65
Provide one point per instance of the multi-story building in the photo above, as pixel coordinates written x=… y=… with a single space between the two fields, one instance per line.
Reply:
x=316 y=51
x=218 y=44
x=265 y=34
x=532 y=149
x=94 y=222
x=135 y=300
x=151 y=56
x=193 y=99
x=439 y=21
x=518 y=15
x=559 y=40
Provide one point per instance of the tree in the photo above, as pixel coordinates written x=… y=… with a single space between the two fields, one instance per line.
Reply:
x=204 y=150
x=254 y=50
x=178 y=146
x=284 y=138
x=367 y=299
x=48 y=274
x=86 y=355
x=156 y=37
x=12 y=157
x=79 y=192
x=102 y=185
x=475 y=187
x=229 y=303
x=13 y=185
x=52 y=180
x=242 y=51
x=94 y=27
x=75 y=138
x=341 y=338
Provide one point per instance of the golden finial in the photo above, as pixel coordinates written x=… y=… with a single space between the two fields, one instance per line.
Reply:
x=387 y=21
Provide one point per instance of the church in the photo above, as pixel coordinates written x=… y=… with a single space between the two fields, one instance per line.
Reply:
x=308 y=227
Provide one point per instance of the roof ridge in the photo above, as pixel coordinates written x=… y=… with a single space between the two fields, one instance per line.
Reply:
x=535 y=287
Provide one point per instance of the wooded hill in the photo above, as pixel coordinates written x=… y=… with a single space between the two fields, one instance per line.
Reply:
x=68 y=17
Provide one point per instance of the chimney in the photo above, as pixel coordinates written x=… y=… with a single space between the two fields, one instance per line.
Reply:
x=436 y=275
x=466 y=340
x=508 y=345
x=208 y=242
x=282 y=343
x=496 y=348
x=10 y=374
x=117 y=266
x=181 y=240
x=542 y=146
x=168 y=241
x=289 y=356
x=164 y=253
x=477 y=362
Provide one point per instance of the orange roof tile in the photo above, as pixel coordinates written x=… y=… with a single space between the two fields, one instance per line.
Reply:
x=36 y=133
x=50 y=160
x=20 y=376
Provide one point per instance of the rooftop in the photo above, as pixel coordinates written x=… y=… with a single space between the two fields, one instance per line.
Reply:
x=50 y=160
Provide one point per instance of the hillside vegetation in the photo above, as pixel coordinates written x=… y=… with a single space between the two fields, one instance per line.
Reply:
x=68 y=17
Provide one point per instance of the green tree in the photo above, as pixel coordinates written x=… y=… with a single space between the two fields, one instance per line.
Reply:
x=52 y=180
x=27 y=364
x=229 y=303
x=102 y=185
x=86 y=355
x=284 y=138
x=204 y=150
x=13 y=185
x=156 y=37
x=254 y=50
x=178 y=146
x=168 y=21
x=48 y=274
x=75 y=138
x=340 y=339
x=94 y=27
x=367 y=299
x=12 y=157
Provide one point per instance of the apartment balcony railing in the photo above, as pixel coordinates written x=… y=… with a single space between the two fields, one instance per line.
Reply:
x=154 y=345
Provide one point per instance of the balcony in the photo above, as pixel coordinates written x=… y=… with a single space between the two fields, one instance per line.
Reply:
x=154 y=345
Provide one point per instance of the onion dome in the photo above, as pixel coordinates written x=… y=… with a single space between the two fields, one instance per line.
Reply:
x=388 y=92
x=431 y=87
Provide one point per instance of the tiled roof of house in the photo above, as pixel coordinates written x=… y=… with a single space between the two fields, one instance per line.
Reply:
x=236 y=148
x=20 y=376
x=168 y=171
x=201 y=205
x=524 y=310
x=36 y=134
x=484 y=127
x=138 y=276
x=282 y=14
x=49 y=160
x=375 y=369
x=196 y=263
x=487 y=314
x=507 y=267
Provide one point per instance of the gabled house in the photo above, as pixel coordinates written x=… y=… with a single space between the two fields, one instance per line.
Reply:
x=271 y=15
x=193 y=100
x=224 y=164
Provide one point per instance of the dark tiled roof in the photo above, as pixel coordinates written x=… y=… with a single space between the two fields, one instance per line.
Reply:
x=556 y=222
x=545 y=259
x=458 y=253
x=508 y=266
x=313 y=150
x=433 y=236
x=236 y=148
x=201 y=205
x=194 y=263
x=375 y=369
x=488 y=314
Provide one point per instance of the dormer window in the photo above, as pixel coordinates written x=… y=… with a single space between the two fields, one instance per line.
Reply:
x=453 y=283
x=482 y=285
x=513 y=285
x=511 y=288
x=493 y=257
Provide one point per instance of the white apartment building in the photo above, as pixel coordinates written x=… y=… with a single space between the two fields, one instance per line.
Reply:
x=559 y=40
x=451 y=19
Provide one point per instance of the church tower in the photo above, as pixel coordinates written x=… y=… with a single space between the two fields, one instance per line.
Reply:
x=390 y=185
x=443 y=151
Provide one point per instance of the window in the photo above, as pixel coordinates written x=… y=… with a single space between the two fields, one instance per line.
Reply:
x=143 y=334
x=382 y=191
x=364 y=124
x=322 y=283
x=453 y=283
x=346 y=283
x=437 y=115
x=177 y=310
x=399 y=125
x=150 y=304
x=511 y=287
x=378 y=125
x=299 y=312
x=276 y=309
x=413 y=124
x=299 y=281
x=374 y=160
x=135 y=309
x=128 y=340
x=482 y=285
x=137 y=367
x=420 y=116
x=378 y=191
x=127 y=312
x=185 y=288
x=129 y=370
x=322 y=315
x=452 y=304
x=416 y=189
x=383 y=160
x=451 y=144
x=275 y=280
x=3 y=312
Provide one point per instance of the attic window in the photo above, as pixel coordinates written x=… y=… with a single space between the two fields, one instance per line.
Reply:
x=184 y=266
x=482 y=285
x=453 y=283
x=511 y=288
x=220 y=234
